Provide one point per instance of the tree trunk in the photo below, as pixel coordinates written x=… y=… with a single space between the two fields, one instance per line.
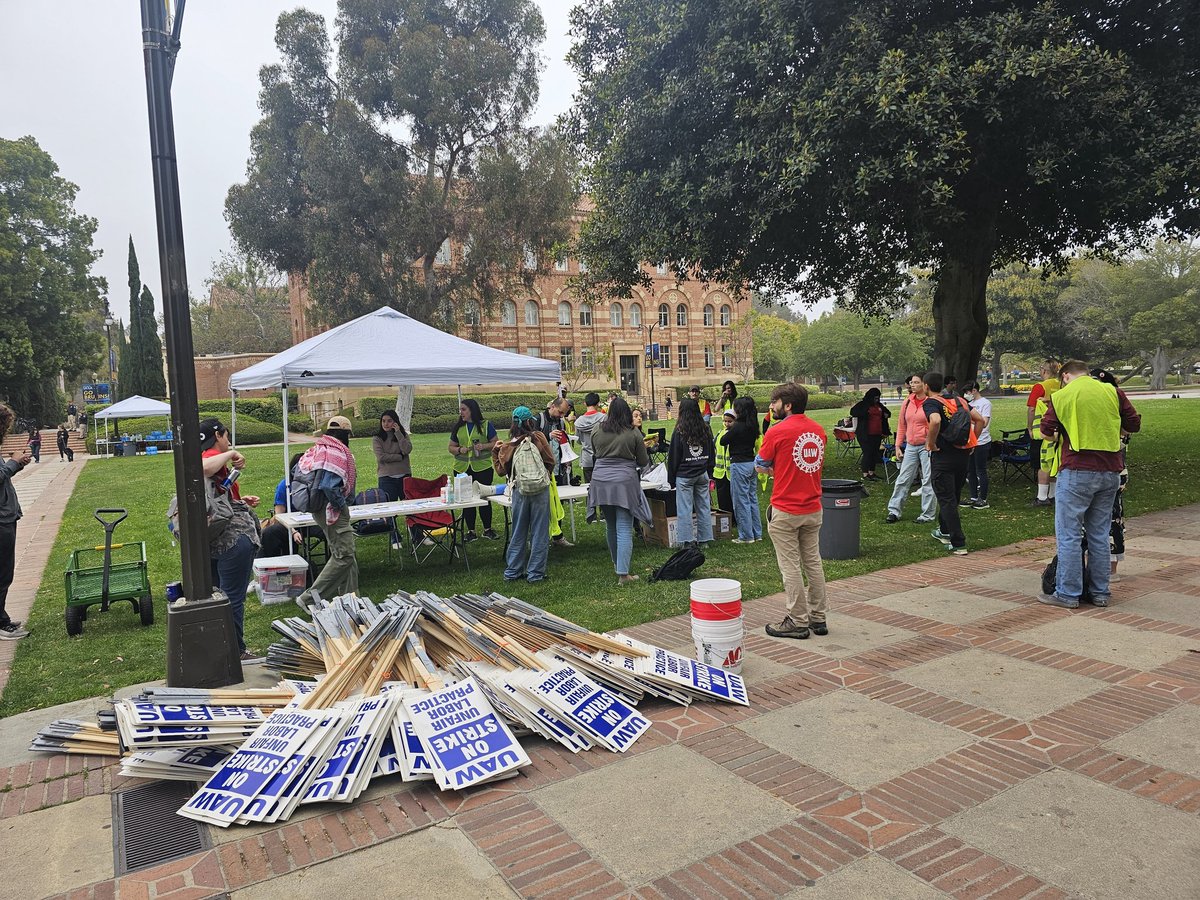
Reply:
x=996 y=374
x=960 y=313
x=1160 y=365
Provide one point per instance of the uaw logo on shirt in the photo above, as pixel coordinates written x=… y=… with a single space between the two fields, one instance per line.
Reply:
x=808 y=453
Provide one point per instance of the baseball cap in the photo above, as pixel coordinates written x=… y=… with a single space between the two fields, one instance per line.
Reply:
x=522 y=414
x=209 y=429
x=694 y=387
x=339 y=423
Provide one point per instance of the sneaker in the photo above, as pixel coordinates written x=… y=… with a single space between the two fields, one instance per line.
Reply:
x=938 y=535
x=1055 y=600
x=957 y=551
x=1036 y=503
x=982 y=504
x=537 y=580
x=970 y=502
x=1100 y=601
x=916 y=493
x=561 y=542
x=396 y=545
x=820 y=629
x=13 y=632
x=891 y=519
x=788 y=629
x=470 y=536
x=627 y=579
x=738 y=540
x=490 y=534
x=427 y=542
x=924 y=520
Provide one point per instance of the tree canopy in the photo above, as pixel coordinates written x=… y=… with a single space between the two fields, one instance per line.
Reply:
x=406 y=177
x=823 y=148
x=246 y=311
x=51 y=312
x=843 y=343
x=141 y=364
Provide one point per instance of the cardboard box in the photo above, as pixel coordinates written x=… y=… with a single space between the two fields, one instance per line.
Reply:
x=722 y=525
x=664 y=531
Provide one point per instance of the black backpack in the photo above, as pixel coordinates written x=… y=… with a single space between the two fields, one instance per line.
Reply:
x=956 y=428
x=1050 y=576
x=681 y=564
x=303 y=489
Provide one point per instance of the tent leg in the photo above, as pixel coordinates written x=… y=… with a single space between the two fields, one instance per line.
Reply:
x=460 y=395
x=233 y=418
x=287 y=475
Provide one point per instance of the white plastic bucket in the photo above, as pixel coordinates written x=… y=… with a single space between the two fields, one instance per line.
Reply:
x=719 y=643
x=716 y=599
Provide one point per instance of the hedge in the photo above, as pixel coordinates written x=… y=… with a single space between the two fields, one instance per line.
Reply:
x=249 y=430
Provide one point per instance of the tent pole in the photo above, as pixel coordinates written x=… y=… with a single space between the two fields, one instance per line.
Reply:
x=460 y=395
x=233 y=417
x=287 y=475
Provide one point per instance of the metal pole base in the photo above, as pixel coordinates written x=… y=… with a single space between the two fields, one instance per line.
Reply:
x=202 y=647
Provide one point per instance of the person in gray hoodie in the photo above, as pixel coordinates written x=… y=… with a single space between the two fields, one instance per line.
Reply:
x=585 y=427
x=10 y=511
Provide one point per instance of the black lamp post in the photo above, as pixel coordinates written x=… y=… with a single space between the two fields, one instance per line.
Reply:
x=109 y=322
x=653 y=364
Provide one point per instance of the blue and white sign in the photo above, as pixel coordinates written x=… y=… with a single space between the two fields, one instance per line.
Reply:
x=589 y=707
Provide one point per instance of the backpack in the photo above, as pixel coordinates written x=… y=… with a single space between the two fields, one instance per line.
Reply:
x=218 y=505
x=302 y=489
x=956 y=425
x=527 y=471
x=679 y=566
x=371 y=526
x=1050 y=576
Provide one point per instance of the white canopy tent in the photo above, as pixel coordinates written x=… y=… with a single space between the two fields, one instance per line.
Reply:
x=387 y=347
x=133 y=407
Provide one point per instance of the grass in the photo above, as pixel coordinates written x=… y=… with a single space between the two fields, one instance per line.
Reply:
x=115 y=651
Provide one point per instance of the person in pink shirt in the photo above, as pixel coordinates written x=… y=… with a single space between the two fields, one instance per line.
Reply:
x=911 y=430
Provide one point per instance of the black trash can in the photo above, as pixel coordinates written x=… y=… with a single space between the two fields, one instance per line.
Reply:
x=840 y=522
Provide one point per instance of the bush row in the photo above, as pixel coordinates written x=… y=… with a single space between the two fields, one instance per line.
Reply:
x=249 y=430
x=443 y=405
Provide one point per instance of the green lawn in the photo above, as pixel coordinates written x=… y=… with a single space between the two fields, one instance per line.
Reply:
x=114 y=650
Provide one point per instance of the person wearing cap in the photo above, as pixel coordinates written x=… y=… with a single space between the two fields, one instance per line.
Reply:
x=529 y=544
x=705 y=407
x=234 y=550
x=585 y=427
x=721 y=468
x=331 y=457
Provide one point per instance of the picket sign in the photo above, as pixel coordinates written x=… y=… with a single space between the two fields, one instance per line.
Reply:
x=283 y=793
x=466 y=741
x=176 y=763
x=698 y=679
x=340 y=780
x=523 y=709
x=413 y=761
x=586 y=706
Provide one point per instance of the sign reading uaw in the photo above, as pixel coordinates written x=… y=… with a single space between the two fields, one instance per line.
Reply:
x=808 y=453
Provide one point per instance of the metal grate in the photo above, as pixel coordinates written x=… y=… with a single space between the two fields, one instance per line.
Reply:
x=147 y=831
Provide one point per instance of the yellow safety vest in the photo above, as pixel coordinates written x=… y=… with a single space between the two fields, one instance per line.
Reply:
x=721 y=458
x=476 y=462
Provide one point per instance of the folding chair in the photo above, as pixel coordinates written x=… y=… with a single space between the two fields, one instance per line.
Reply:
x=657 y=446
x=383 y=525
x=1015 y=455
x=887 y=458
x=438 y=529
x=847 y=441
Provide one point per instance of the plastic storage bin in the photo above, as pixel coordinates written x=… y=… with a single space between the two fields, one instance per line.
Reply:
x=280 y=578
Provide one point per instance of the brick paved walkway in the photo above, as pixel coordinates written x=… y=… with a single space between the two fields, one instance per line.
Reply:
x=950 y=736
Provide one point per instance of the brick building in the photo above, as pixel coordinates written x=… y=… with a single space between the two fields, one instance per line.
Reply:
x=212 y=375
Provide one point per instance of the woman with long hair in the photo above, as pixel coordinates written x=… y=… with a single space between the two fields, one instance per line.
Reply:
x=740 y=438
x=64 y=444
x=529 y=543
x=393 y=464
x=690 y=464
x=728 y=395
x=870 y=427
x=471 y=444
x=616 y=488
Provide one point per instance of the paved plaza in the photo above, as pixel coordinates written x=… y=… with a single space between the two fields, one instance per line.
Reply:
x=950 y=736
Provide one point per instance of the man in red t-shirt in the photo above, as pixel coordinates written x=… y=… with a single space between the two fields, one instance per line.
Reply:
x=794 y=452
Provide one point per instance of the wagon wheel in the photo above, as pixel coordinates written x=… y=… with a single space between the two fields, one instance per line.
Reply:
x=146 y=608
x=74 y=616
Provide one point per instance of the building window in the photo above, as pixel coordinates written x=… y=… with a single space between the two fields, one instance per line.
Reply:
x=566 y=358
x=564 y=313
x=508 y=313
x=472 y=314
x=560 y=264
x=661 y=268
x=534 y=351
x=616 y=315
x=531 y=312
x=582 y=265
x=664 y=315
x=587 y=359
x=681 y=315
x=710 y=356
x=727 y=356
x=683 y=356
x=442 y=257
x=708 y=315
x=664 y=356
x=585 y=315
x=530 y=259
x=726 y=315
x=510 y=349
x=635 y=315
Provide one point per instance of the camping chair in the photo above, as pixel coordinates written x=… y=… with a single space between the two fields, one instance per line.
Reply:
x=887 y=459
x=438 y=529
x=1015 y=456
x=658 y=448
x=847 y=440
x=383 y=525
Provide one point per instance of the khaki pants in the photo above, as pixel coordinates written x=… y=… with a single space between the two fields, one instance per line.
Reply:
x=340 y=575
x=798 y=553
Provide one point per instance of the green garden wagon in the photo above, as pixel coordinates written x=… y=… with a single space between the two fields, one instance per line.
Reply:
x=107 y=574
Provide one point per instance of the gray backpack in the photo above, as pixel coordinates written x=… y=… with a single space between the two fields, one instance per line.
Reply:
x=528 y=471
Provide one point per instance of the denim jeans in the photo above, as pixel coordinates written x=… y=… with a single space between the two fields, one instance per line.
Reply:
x=231 y=573
x=529 y=544
x=619 y=523
x=692 y=498
x=913 y=465
x=977 y=471
x=744 y=487
x=1083 y=501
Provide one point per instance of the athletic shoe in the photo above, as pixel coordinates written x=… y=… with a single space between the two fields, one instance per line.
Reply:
x=1055 y=600
x=957 y=551
x=982 y=504
x=1035 y=502
x=924 y=520
x=490 y=534
x=891 y=519
x=561 y=542
x=738 y=540
x=916 y=493
x=12 y=632
x=788 y=629
x=820 y=629
x=1100 y=601
x=470 y=536
x=937 y=535
x=970 y=502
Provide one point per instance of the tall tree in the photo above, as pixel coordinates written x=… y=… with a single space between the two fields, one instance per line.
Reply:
x=150 y=367
x=246 y=310
x=776 y=342
x=50 y=303
x=129 y=375
x=407 y=178
x=842 y=343
x=823 y=148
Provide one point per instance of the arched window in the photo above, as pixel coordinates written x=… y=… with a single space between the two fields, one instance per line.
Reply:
x=635 y=315
x=616 y=315
x=531 y=312
x=564 y=313
x=709 y=321
x=681 y=314
x=472 y=314
x=664 y=315
x=726 y=314
x=585 y=315
x=508 y=313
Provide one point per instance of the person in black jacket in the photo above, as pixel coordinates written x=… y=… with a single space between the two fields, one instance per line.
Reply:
x=690 y=464
x=870 y=427
x=740 y=438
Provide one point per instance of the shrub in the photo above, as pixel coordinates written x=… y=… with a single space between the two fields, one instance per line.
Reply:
x=249 y=430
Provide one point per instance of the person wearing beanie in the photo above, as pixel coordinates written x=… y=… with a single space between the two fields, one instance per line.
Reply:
x=529 y=544
x=334 y=485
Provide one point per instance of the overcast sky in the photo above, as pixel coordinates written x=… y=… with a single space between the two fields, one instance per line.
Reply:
x=73 y=78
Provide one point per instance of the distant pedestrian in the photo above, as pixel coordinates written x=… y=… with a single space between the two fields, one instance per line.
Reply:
x=741 y=438
x=912 y=456
x=64 y=444
x=977 y=471
x=870 y=428
x=690 y=464
x=10 y=512
x=668 y=406
x=35 y=444
x=1041 y=394
x=947 y=460
x=529 y=544
x=331 y=457
x=72 y=415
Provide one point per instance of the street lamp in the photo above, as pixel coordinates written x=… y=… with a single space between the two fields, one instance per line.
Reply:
x=109 y=322
x=653 y=365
